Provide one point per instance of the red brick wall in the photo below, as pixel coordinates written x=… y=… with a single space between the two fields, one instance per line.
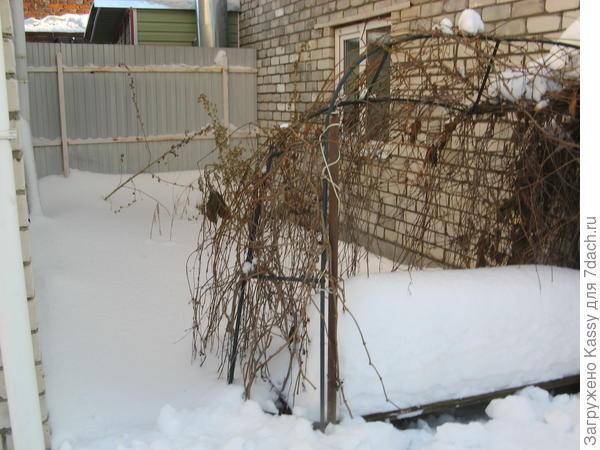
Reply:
x=42 y=8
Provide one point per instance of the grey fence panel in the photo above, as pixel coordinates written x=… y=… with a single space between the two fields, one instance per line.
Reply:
x=102 y=121
x=43 y=94
x=242 y=92
x=129 y=157
x=48 y=160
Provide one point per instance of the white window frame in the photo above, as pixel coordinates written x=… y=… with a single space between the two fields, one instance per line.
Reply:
x=357 y=30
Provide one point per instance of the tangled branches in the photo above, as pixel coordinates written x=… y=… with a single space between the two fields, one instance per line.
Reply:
x=458 y=150
x=455 y=150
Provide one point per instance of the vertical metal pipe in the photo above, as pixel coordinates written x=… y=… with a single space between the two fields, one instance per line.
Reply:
x=15 y=330
x=198 y=24
x=20 y=55
x=322 y=387
x=322 y=286
x=33 y=195
x=211 y=23
x=242 y=296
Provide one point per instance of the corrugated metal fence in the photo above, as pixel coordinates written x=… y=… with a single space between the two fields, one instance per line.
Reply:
x=83 y=115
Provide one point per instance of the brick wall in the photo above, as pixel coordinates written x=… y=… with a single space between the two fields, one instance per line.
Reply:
x=287 y=33
x=13 y=100
x=295 y=42
x=43 y=8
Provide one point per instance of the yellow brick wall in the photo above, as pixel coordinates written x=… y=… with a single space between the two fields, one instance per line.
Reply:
x=296 y=60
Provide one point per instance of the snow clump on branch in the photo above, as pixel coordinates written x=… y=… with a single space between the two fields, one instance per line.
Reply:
x=537 y=78
x=445 y=26
x=470 y=22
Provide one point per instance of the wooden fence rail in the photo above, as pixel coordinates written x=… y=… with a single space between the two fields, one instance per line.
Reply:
x=84 y=115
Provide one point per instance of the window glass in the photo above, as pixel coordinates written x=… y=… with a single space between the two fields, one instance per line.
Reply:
x=351 y=53
x=351 y=114
x=378 y=85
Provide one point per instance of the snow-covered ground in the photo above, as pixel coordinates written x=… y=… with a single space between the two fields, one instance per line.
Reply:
x=113 y=312
x=441 y=334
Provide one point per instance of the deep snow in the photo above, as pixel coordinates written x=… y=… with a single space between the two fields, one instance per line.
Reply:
x=442 y=334
x=113 y=312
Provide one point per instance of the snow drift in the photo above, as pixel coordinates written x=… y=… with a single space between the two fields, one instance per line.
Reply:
x=436 y=335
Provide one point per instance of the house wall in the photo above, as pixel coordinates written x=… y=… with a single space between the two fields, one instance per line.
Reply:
x=296 y=56
x=233 y=38
x=288 y=32
x=13 y=100
x=43 y=8
x=177 y=27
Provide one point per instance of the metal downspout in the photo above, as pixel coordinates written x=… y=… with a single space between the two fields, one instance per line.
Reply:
x=211 y=23
x=198 y=24
x=33 y=195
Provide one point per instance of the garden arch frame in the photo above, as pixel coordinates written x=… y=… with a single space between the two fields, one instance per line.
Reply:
x=327 y=281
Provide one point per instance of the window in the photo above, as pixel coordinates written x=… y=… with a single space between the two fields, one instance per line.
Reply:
x=370 y=80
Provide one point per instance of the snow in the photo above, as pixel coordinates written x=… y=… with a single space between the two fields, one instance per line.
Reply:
x=510 y=85
x=565 y=58
x=502 y=327
x=248 y=266
x=112 y=304
x=529 y=420
x=445 y=26
x=571 y=34
x=532 y=83
x=67 y=23
x=221 y=59
x=470 y=22
x=538 y=77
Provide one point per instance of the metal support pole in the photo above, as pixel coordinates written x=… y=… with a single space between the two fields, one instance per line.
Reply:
x=322 y=287
x=486 y=76
x=244 y=282
x=240 y=304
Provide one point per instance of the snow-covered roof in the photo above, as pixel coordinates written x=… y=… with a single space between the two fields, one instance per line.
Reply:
x=67 y=23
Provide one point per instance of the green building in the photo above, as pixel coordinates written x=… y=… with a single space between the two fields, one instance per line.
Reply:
x=164 y=22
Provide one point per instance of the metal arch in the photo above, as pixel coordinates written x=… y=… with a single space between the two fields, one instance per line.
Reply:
x=326 y=122
x=328 y=111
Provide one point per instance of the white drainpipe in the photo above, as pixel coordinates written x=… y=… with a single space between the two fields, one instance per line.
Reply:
x=15 y=332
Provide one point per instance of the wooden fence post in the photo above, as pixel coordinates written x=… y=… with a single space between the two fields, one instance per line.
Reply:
x=226 y=92
x=63 y=114
x=333 y=156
